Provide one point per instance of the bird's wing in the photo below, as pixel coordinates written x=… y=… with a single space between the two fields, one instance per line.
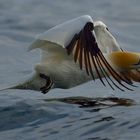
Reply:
x=49 y=50
x=62 y=33
x=86 y=52
x=53 y=41
x=132 y=75
x=77 y=37
x=106 y=41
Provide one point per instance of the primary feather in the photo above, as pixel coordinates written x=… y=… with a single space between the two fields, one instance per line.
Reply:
x=89 y=44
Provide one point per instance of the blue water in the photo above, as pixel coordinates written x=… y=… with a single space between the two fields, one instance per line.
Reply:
x=86 y=112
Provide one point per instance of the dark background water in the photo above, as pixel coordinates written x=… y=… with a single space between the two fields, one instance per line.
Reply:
x=86 y=112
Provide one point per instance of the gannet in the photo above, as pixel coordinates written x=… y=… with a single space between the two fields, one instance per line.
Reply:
x=78 y=51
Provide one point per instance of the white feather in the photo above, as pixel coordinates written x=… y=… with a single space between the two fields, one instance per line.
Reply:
x=55 y=62
x=62 y=34
x=106 y=41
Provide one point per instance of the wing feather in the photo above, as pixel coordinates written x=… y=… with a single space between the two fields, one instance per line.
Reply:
x=83 y=46
x=88 y=54
x=132 y=75
x=77 y=49
x=81 y=52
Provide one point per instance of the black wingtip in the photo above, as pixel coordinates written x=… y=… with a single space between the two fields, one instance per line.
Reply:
x=86 y=51
x=89 y=26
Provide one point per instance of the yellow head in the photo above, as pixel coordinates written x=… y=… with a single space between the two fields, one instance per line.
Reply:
x=125 y=60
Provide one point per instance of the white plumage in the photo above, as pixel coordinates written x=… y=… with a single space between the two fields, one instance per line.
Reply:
x=60 y=66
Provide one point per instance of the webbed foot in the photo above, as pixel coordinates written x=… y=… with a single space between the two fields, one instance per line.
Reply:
x=48 y=85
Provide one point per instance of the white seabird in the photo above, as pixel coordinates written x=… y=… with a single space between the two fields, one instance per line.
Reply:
x=80 y=50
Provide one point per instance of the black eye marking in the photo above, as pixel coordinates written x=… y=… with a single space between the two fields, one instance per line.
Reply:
x=107 y=29
x=138 y=63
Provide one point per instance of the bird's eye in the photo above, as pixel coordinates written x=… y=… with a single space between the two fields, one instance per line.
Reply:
x=107 y=29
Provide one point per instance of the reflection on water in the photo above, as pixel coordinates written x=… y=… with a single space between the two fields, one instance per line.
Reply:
x=97 y=102
x=79 y=117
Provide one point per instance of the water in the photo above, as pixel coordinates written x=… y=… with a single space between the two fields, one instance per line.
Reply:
x=87 y=112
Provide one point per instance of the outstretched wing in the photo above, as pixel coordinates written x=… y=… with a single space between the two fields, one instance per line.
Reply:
x=53 y=41
x=77 y=37
x=86 y=51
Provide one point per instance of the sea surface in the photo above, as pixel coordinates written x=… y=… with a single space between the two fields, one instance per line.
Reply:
x=86 y=112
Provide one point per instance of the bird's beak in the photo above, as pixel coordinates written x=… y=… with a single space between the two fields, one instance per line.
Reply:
x=125 y=60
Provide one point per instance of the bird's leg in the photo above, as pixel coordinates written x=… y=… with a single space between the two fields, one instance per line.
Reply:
x=48 y=85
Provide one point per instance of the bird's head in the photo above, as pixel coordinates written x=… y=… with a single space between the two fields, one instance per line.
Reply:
x=125 y=60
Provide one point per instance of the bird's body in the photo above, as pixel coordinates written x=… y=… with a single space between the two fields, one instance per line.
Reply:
x=61 y=68
x=76 y=38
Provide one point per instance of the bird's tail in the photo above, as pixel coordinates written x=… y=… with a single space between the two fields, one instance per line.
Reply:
x=26 y=84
